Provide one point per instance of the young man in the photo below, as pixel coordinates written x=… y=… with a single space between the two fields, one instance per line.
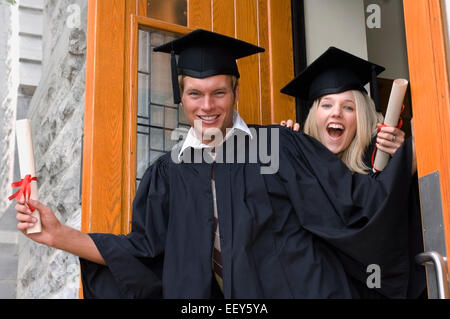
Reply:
x=209 y=221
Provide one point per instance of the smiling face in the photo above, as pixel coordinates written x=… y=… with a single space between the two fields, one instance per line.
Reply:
x=209 y=100
x=336 y=120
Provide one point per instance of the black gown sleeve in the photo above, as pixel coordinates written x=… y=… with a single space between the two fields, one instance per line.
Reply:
x=134 y=262
x=363 y=217
x=417 y=279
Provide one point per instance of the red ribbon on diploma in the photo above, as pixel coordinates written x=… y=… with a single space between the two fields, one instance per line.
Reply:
x=25 y=190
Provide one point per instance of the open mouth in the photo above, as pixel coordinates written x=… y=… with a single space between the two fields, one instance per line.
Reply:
x=335 y=130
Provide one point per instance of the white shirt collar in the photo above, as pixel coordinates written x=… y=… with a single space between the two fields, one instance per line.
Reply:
x=192 y=141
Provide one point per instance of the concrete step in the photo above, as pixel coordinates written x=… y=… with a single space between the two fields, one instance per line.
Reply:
x=9 y=237
x=8 y=264
x=8 y=289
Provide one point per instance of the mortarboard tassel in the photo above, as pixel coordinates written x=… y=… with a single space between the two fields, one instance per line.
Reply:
x=175 y=85
x=374 y=89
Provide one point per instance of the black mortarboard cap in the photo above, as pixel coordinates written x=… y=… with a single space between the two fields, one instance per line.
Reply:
x=335 y=71
x=204 y=53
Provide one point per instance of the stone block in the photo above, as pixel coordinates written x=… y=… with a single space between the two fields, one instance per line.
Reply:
x=8 y=240
x=50 y=277
x=34 y=4
x=29 y=73
x=30 y=22
x=30 y=48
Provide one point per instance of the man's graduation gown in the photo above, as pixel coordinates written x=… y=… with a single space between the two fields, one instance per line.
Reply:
x=309 y=231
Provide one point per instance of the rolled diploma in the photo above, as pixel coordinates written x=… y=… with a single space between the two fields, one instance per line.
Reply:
x=26 y=163
x=393 y=111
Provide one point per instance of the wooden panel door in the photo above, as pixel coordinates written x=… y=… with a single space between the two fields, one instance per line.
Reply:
x=428 y=65
x=103 y=119
x=266 y=23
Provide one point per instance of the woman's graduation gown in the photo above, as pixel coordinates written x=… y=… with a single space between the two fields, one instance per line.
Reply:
x=311 y=230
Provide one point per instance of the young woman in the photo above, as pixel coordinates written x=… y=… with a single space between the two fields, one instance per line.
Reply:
x=345 y=120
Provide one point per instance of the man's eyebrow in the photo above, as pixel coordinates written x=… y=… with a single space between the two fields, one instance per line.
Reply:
x=221 y=88
x=191 y=88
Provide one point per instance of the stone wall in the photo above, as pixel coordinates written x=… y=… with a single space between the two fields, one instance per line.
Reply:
x=56 y=113
x=8 y=98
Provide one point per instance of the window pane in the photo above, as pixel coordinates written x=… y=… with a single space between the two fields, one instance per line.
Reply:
x=143 y=51
x=161 y=88
x=157 y=115
x=181 y=117
x=143 y=94
x=171 y=118
x=157 y=139
x=173 y=11
x=168 y=142
x=144 y=152
x=143 y=129
x=158 y=39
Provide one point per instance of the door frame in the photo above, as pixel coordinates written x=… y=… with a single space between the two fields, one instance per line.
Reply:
x=427 y=43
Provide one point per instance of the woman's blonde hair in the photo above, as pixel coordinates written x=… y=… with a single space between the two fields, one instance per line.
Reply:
x=366 y=126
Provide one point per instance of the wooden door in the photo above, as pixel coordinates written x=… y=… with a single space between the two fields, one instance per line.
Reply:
x=267 y=24
x=427 y=54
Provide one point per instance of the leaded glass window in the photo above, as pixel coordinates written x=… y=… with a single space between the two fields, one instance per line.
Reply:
x=157 y=115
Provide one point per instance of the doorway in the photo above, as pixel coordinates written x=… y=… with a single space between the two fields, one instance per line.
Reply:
x=373 y=30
